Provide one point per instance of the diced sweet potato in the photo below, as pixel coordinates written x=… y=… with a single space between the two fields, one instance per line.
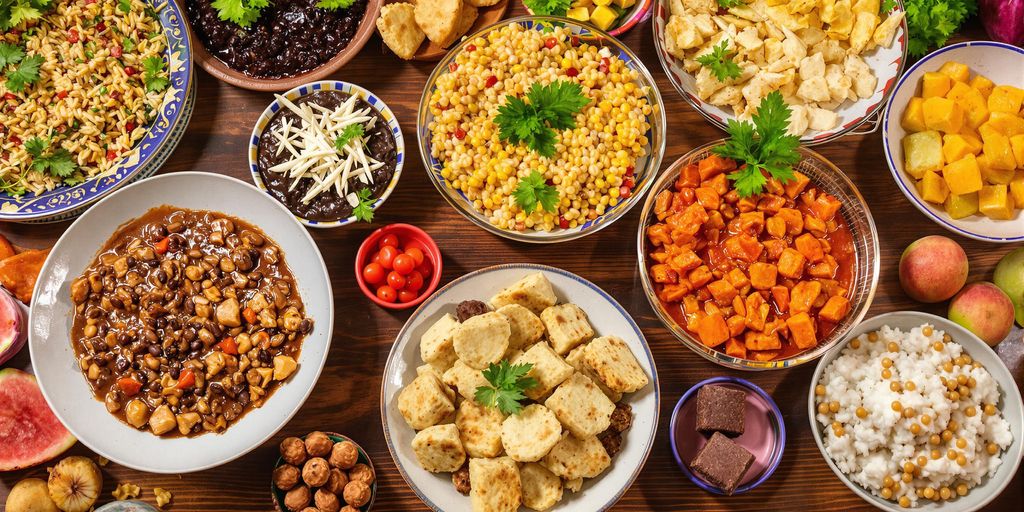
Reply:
x=659 y=235
x=662 y=273
x=775 y=226
x=735 y=348
x=714 y=165
x=803 y=295
x=763 y=275
x=763 y=355
x=738 y=278
x=797 y=185
x=746 y=204
x=707 y=198
x=962 y=176
x=957 y=71
x=700 y=276
x=761 y=341
x=751 y=222
x=738 y=307
x=780 y=294
x=723 y=291
x=757 y=311
x=835 y=309
x=825 y=206
x=688 y=177
x=773 y=248
x=771 y=203
x=810 y=247
x=674 y=292
x=794 y=220
x=815 y=226
x=685 y=260
x=719 y=183
x=712 y=330
x=791 y=263
x=744 y=247
x=913 y=115
x=825 y=269
x=935 y=84
x=737 y=324
x=801 y=331
x=19 y=273
x=662 y=203
x=942 y=114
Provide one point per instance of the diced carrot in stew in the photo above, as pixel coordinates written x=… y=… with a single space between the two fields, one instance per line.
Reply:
x=659 y=235
x=738 y=306
x=761 y=341
x=744 y=247
x=757 y=311
x=746 y=204
x=825 y=206
x=773 y=248
x=674 y=292
x=722 y=291
x=735 y=348
x=825 y=269
x=775 y=226
x=714 y=165
x=794 y=220
x=752 y=222
x=708 y=198
x=689 y=177
x=738 y=278
x=228 y=346
x=801 y=330
x=780 y=294
x=661 y=204
x=814 y=225
x=700 y=276
x=712 y=330
x=791 y=263
x=835 y=309
x=736 y=324
x=771 y=203
x=662 y=273
x=797 y=185
x=810 y=247
x=686 y=260
x=803 y=295
x=719 y=183
x=690 y=304
x=763 y=275
x=129 y=385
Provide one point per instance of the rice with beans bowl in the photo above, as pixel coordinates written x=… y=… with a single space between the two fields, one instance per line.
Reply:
x=90 y=97
x=593 y=165
x=910 y=417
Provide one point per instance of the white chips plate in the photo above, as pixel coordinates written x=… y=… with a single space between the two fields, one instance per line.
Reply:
x=607 y=318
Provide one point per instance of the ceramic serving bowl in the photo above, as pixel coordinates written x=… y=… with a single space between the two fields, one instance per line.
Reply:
x=606 y=316
x=364 y=458
x=149 y=153
x=429 y=51
x=856 y=118
x=645 y=169
x=52 y=312
x=409 y=236
x=329 y=85
x=638 y=12
x=1010 y=405
x=221 y=71
x=854 y=210
x=1000 y=62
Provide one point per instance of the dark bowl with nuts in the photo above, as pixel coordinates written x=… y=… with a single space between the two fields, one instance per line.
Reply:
x=323 y=472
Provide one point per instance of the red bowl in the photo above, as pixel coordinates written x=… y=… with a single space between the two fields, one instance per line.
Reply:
x=408 y=236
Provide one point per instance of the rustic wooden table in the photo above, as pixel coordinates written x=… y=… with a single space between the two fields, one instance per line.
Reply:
x=346 y=399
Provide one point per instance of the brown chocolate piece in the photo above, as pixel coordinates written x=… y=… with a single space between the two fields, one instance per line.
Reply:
x=721 y=409
x=722 y=463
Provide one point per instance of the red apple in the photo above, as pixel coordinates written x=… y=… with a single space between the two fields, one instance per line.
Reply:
x=983 y=309
x=933 y=269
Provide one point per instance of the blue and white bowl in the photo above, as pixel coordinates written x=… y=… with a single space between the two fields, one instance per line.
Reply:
x=328 y=85
x=1003 y=64
x=165 y=131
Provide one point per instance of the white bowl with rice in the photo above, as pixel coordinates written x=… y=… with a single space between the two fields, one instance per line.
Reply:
x=874 y=440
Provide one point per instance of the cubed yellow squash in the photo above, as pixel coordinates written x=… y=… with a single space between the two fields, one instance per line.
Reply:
x=988 y=131
x=983 y=85
x=578 y=13
x=625 y=4
x=999 y=152
x=922 y=152
x=973 y=140
x=971 y=102
x=1017 y=146
x=992 y=175
x=994 y=202
x=935 y=84
x=955 y=147
x=581 y=3
x=962 y=206
x=913 y=115
x=1007 y=124
x=1017 y=189
x=1006 y=98
x=933 y=188
x=963 y=176
x=602 y=2
x=956 y=71
x=603 y=17
x=943 y=114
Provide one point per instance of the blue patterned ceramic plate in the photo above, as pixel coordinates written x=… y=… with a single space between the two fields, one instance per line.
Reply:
x=329 y=85
x=148 y=154
x=646 y=167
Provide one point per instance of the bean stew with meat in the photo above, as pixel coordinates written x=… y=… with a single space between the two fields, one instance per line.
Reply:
x=186 y=320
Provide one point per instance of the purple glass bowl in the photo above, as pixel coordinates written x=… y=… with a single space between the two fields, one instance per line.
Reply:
x=764 y=434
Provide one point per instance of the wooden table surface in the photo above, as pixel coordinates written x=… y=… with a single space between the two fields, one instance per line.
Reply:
x=346 y=399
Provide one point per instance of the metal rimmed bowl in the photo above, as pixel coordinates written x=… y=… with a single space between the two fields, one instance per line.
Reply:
x=854 y=210
x=855 y=118
x=364 y=458
x=645 y=168
x=640 y=11
x=328 y=85
x=148 y=154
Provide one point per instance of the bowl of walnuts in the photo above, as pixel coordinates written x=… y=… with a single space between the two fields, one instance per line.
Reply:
x=323 y=472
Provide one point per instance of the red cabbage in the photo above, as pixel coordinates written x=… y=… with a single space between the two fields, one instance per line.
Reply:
x=1003 y=20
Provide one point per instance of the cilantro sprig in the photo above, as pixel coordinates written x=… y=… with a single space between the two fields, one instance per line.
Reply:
x=764 y=146
x=718 y=61
x=57 y=163
x=22 y=71
x=931 y=22
x=534 y=190
x=155 y=76
x=16 y=12
x=364 y=210
x=333 y=5
x=548 y=7
x=240 y=12
x=729 y=4
x=886 y=6
x=124 y=6
x=507 y=382
x=349 y=133
x=534 y=120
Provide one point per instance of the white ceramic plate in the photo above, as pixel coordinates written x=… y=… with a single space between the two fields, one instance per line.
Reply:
x=1004 y=65
x=52 y=312
x=606 y=316
x=886 y=63
x=1010 y=405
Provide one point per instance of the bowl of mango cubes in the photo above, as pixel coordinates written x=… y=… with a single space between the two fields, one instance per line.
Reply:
x=615 y=17
x=954 y=139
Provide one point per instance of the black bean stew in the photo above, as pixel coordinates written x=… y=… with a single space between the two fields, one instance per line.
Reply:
x=290 y=37
x=185 y=320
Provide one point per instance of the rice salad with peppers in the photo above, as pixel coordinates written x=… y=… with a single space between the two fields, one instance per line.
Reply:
x=79 y=83
x=538 y=129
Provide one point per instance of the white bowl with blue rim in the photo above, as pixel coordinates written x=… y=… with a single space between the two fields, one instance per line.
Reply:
x=1003 y=64
x=328 y=85
x=148 y=154
x=606 y=316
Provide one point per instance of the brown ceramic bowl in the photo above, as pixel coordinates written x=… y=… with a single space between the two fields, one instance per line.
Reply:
x=225 y=73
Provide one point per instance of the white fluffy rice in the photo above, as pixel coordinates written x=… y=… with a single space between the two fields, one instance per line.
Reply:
x=878 y=445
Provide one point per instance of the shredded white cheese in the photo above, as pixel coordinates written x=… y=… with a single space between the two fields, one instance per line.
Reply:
x=313 y=152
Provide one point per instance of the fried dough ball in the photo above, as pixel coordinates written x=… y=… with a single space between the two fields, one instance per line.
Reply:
x=293 y=451
x=326 y=501
x=297 y=498
x=361 y=473
x=344 y=455
x=349 y=508
x=309 y=509
x=336 y=481
x=318 y=444
x=286 y=477
x=316 y=472
x=357 y=493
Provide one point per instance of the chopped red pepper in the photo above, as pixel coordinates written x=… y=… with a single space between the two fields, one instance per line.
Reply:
x=162 y=246
x=563 y=222
x=629 y=182
x=72 y=36
x=228 y=346
x=116 y=51
x=605 y=63
x=129 y=385
x=625 y=192
x=453 y=66
x=491 y=80
x=571 y=72
x=87 y=2
x=130 y=126
x=100 y=27
x=460 y=133
x=471 y=48
x=115 y=95
x=111 y=154
x=574 y=41
x=15 y=139
x=128 y=70
x=187 y=379
x=550 y=43
x=630 y=171
x=10 y=96
x=250 y=315
x=62 y=94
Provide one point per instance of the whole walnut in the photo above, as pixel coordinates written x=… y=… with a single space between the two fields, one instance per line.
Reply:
x=316 y=472
x=318 y=444
x=326 y=501
x=297 y=498
x=361 y=473
x=344 y=455
x=357 y=494
x=293 y=451
x=337 y=481
x=286 y=477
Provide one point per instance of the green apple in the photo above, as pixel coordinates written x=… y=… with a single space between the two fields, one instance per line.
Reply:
x=1009 y=277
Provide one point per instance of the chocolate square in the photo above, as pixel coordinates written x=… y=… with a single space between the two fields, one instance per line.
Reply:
x=722 y=462
x=721 y=409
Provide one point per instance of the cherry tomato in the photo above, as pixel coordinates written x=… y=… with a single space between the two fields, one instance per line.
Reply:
x=396 y=280
x=414 y=281
x=425 y=270
x=375 y=258
x=406 y=296
x=389 y=240
x=404 y=264
x=416 y=254
x=387 y=256
x=387 y=293
x=374 y=273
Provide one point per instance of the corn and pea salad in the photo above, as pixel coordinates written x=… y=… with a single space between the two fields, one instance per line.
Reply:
x=594 y=163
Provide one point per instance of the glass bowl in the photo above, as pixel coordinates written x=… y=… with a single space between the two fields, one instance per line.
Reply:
x=826 y=177
x=646 y=168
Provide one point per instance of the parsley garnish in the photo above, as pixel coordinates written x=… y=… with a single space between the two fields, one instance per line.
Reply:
x=729 y=4
x=58 y=163
x=334 y=5
x=25 y=73
x=764 y=146
x=15 y=12
x=240 y=12
x=718 y=61
x=154 y=74
x=10 y=54
x=551 y=107
x=124 y=6
x=886 y=6
x=534 y=189
x=364 y=210
x=128 y=44
x=350 y=132
x=548 y=7
x=508 y=382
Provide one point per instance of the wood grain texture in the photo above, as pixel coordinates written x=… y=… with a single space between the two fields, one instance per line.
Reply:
x=346 y=398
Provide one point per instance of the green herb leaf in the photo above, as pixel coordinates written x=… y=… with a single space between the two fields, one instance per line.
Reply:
x=35 y=146
x=548 y=7
x=886 y=6
x=533 y=190
x=10 y=54
x=718 y=61
x=128 y=44
x=154 y=76
x=551 y=107
x=26 y=73
x=124 y=6
x=334 y=5
x=507 y=384
x=764 y=146
x=932 y=22
x=240 y=12
x=364 y=210
x=350 y=132
x=558 y=103
x=729 y=4
x=58 y=163
x=16 y=12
